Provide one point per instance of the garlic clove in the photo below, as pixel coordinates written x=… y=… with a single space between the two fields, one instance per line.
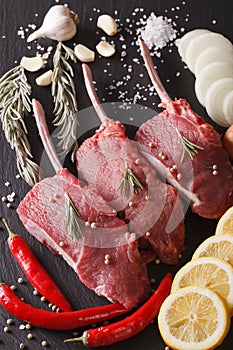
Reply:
x=105 y=49
x=107 y=24
x=45 y=79
x=32 y=64
x=60 y=23
x=84 y=54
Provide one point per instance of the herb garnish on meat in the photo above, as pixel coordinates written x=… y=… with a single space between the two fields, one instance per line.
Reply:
x=129 y=180
x=188 y=146
x=72 y=216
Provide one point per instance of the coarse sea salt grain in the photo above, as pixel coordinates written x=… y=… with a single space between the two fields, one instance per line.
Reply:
x=157 y=32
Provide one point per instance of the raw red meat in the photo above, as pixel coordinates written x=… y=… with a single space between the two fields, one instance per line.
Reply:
x=124 y=279
x=154 y=212
x=205 y=176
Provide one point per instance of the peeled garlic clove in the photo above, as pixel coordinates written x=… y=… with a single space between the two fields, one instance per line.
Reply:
x=84 y=54
x=107 y=24
x=60 y=23
x=105 y=49
x=32 y=64
x=45 y=79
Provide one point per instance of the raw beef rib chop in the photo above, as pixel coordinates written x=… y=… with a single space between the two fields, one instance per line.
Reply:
x=188 y=151
x=153 y=211
x=114 y=270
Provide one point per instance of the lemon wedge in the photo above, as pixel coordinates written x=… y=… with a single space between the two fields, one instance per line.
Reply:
x=193 y=318
x=225 y=224
x=210 y=272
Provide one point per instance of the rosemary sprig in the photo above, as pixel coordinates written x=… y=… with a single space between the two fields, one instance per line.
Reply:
x=15 y=103
x=64 y=97
x=129 y=181
x=188 y=146
x=72 y=216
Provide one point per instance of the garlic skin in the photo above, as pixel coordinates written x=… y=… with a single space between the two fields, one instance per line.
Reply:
x=60 y=23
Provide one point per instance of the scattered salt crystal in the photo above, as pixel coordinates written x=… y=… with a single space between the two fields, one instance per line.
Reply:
x=22 y=326
x=136 y=60
x=178 y=74
x=10 y=197
x=214 y=21
x=17 y=176
x=7 y=184
x=157 y=32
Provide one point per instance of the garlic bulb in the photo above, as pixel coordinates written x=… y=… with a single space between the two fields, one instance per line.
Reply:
x=60 y=23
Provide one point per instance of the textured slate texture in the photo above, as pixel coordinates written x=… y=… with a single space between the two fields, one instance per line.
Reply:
x=20 y=13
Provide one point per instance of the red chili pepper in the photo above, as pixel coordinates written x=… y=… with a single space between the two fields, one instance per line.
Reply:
x=55 y=320
x=34 y=271
x=131 y=325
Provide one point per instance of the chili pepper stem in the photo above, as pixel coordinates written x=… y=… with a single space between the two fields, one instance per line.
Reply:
x=83 y=339
x=11 y=233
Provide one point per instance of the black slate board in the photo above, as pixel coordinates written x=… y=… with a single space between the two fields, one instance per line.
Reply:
x=15 y=14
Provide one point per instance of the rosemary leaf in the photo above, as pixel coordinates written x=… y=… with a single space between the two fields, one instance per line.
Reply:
x=129 y=180
x=72 y=216
x=14 y=105
x=188 y=146
x=64 y=97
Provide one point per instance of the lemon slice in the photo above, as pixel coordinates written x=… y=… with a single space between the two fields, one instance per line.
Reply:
x=193 y=318
x=210 y=272
x=219 y=246
x=225 y=224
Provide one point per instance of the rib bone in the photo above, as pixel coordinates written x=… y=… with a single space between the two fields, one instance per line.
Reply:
x=92 y=93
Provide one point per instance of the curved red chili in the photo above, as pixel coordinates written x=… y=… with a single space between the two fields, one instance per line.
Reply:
x=34 y=271
x=131 y=325
x=55 y=320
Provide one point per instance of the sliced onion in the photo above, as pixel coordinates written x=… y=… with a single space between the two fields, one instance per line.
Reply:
x=228 y=107
x=186 y=39
x=211 y=55
x=200 y=43
x=215 y=97
x=211 y=73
